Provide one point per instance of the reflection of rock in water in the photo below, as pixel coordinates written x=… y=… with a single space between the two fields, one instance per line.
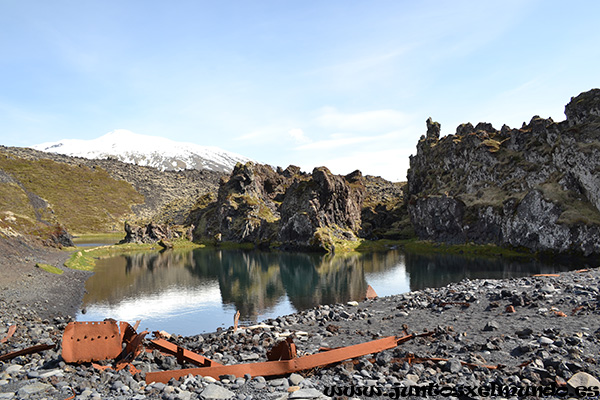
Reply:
x=256 y=281
x=437 y=270
x=251 y=281
x=381 y=261
x=324 y=279
x=137 y=275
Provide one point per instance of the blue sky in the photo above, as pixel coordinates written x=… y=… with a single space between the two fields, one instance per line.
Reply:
x=345 y=84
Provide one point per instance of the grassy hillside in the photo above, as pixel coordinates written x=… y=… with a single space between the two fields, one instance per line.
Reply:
x=82 y=199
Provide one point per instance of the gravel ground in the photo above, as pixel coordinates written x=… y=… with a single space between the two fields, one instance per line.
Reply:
x=552 y=338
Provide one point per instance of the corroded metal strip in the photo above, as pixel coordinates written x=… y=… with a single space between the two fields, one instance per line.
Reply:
x=184 y=354
x=91 y=341
x=28 y=350
x=236 y=320
x=11 y=331
x=283 y=367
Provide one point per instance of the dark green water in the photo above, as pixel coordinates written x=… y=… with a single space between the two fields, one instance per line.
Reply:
x=189 y=292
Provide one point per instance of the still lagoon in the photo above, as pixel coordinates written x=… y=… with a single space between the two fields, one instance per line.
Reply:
x=188 y=292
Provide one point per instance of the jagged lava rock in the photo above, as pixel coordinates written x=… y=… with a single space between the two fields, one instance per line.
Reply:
x=535 y=187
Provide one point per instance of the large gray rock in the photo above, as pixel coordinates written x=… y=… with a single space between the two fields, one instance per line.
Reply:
x=582 y=379
x=535 y=187
x=33 y=388
x=216 y=392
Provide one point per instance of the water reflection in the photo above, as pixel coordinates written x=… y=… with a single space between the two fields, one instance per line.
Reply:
x=188 y=292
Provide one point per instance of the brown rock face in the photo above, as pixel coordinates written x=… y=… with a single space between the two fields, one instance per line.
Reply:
x=260 y=205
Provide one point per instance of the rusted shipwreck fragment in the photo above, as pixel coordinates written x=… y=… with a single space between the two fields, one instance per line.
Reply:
x=103 y=340
x=284 y=366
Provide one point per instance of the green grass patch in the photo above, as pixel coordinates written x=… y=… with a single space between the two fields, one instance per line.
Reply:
x=86 y=259
x=425 y=246
x=50 y=268
x=468 y=249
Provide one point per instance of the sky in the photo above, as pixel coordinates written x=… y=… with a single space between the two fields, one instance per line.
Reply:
x=341 y=83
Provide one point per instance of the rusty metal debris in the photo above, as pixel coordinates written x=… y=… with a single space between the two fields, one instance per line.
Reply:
x=576 y=309
x=182 y=354
x=91 y=341
x=11 y=331
x=284 y=367
x=28 y=350
x=236 y=320
x=560 y=314
x=546 y=275
x=103 y=340
x=284 y=350
x=510 y=309
x=370 y=293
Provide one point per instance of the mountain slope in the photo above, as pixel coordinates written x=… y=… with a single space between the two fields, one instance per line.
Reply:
x=152 y=151
x=40 y=190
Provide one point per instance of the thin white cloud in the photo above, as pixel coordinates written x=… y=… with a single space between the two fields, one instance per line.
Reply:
x=390 y=164
x=338 y=140
x=372 y=121
x=298 y=135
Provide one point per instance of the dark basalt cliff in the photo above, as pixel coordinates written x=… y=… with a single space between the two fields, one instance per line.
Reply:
x=536 y=187
x=298 y=211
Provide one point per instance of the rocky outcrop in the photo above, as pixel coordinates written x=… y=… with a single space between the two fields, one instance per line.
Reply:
x=288 y=208
x=59 y=237
x=151 y=233
x=535 y=187
x=317 y=211
x=246 y=209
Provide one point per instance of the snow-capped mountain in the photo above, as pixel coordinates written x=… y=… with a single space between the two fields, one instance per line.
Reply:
x=153 y=151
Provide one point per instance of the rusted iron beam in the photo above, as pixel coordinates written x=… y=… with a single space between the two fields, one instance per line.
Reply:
x=282 y=367
x=28 y=350
x=11 y=331
x=186 y=355
x=546 y=275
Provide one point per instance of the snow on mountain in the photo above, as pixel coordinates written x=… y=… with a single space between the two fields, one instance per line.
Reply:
x=153 y=151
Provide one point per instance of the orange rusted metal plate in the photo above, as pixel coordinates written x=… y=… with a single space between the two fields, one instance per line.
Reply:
x=11 y=331
x=283 y=367
x=370 y=293
x=91 y=341
x=284 y=350
x=186 y=355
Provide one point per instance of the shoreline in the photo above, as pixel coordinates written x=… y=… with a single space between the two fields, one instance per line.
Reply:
x=536 y=345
